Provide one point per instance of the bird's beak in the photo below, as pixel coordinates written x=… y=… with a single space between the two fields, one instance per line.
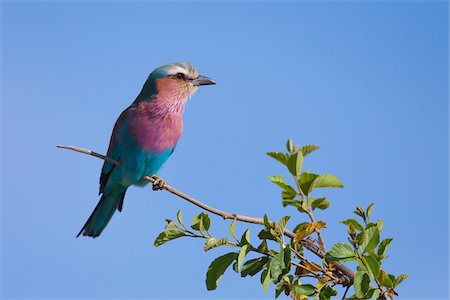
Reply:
x=202 y=80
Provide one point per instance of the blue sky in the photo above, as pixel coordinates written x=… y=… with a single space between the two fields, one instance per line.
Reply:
x=367 y=81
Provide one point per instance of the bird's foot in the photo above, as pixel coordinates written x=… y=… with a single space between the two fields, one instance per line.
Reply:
x=158 y=184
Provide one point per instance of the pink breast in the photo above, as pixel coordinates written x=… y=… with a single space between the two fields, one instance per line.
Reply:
x=153 y=131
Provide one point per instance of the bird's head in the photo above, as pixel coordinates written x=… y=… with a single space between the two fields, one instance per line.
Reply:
x=177 y=80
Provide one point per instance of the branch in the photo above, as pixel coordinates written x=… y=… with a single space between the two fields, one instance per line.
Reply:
x=89 y=152
x=347 y=274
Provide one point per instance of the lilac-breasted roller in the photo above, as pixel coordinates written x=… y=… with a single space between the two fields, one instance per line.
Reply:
x=143 y=138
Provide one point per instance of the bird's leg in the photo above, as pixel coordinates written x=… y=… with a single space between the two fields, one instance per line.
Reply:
x=158 y=184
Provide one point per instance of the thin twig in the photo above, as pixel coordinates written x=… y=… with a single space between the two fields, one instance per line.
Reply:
x=345 y=293
x=311 y=216
x=307 y=243
x=89 y=152
x=319 y=234
x=316 y=274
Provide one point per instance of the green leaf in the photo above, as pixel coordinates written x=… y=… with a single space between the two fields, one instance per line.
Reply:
x=242 y=253
x=326 y=181
x=290 y=146
x=287 y=261
x=306 y=180
x=360 y=237
x=265 y=234
x=287 y=195
x=295 y=203
x=245 y=239
x=320 y=203
x=217 y=268
x=232 y=232
x=361 y=283
x=369 y=211
x=166 y=236
x=253 y=266
x=327 y=292
x=304 y=289
x=299 y=163
x=300 y=205
x=294 y=163
x=279 y=289
x=277 y=265
x=171 y=224
x=283 y=222
x=391 y=277
x=280 y=156
x=373 y=293
x=288 y=279
x=263 y=247
x=206 y=221
x=267 y=222
x=354 y=223
x=385 y=280
x=235 y=267
x=308 y=149
x=304 y=207
x=380 y=225
x=371 y=239
x=265 y=279
x=361 y=266
x=298 y=247
x=179 y=217
x=352 y=232
x=196 y=222
x=360 y=212
x=341 y=252
x=279 y=180
x=201 y=222
x=372 y=265
x=213 y=243
x=399 y=279
x=384 y=245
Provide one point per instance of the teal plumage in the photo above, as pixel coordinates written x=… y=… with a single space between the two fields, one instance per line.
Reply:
x=143 y=138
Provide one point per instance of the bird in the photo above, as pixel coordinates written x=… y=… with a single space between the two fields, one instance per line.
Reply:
x=143 y=138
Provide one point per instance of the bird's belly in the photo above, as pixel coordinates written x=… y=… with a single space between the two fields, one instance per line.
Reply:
x=139 y=163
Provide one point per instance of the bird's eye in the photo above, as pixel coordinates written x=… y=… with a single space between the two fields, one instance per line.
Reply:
x=179 y=76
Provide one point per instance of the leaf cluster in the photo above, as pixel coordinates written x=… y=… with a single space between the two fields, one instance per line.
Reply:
x=282 y=263
x=368 y=250
x=305 y=182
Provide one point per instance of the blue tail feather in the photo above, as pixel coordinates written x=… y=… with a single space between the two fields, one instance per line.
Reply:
x=102 y=214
